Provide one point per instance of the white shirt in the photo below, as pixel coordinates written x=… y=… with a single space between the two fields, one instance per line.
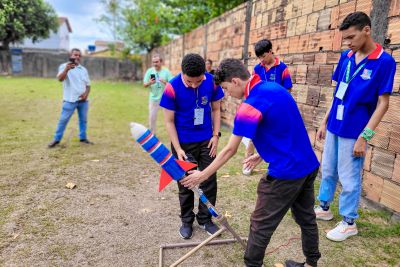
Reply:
x=75 y=83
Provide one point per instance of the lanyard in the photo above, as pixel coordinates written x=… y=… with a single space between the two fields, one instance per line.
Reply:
x=348 y=79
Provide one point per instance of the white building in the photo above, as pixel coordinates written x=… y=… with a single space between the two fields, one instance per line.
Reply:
x=57 y=41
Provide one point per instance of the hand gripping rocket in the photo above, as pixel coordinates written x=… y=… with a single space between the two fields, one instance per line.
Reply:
x=171 y=168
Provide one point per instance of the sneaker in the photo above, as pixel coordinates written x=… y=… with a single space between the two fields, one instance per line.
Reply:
x=85 y=141
x=342 y=231
x=186 y=231
x=325 y=215
x=290 y=263
x=210 y=227
x=53 y=143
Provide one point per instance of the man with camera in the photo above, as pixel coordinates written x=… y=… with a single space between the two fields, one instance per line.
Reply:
x=156 y=78
x=76 y=88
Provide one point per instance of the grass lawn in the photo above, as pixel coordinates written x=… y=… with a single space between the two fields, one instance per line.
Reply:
x=43 y=223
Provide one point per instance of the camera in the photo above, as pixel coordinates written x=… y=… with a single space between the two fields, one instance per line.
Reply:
x=152 y=76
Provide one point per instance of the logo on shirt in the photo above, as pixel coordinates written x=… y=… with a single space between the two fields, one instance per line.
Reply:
x=366 y=75
x=204 y=100
x=272 y=77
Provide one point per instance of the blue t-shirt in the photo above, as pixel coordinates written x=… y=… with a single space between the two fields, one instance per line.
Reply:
x=361 y=97
x=270 y=118
x=184 y=100
x=278 y=73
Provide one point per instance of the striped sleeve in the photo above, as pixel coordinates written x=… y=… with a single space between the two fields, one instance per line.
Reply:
x=246 y=121
x=168 y=98
x=286 y=79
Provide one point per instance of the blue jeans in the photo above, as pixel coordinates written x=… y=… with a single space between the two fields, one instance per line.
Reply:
x=68 y=109
x=339 y=164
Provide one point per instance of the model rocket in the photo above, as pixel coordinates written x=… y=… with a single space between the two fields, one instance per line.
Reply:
x=171 y=168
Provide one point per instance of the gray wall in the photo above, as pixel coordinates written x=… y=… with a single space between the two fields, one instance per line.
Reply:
x=43 y=64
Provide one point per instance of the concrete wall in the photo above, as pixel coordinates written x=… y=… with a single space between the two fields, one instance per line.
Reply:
x=41 y=64
x=305 y=35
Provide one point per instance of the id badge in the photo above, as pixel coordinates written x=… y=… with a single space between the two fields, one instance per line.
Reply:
x=339 y=113
x=341 y=90
x=198 y=116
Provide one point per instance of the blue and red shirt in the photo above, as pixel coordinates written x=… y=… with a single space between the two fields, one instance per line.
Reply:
x=278 y=73
x=270 y=118
x=184 y=100
x=374 y=78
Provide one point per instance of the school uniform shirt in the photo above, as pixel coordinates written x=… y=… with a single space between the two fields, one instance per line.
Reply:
x=278 y=73
x=184 y=100
x=373 y=79
x=270 y=118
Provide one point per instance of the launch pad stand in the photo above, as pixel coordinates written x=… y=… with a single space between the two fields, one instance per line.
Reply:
x=221 y=219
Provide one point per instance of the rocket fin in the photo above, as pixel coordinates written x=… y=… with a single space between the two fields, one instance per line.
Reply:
x=186 y=165
x=165 y=179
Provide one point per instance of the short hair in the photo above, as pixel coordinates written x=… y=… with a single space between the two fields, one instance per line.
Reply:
x=209 y=61
x=157 y=55
x=193 y=65
x=230 y=68
x=262 y=46
x=75 y=49
x=357 y=19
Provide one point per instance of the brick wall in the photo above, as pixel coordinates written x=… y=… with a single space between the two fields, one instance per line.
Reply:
x=305 y=36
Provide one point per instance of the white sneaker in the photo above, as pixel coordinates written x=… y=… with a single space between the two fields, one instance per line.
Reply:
x=342 y=231
x=322 y=214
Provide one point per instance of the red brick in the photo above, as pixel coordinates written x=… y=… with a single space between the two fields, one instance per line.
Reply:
x=307 y=113
x=394 y=8
x=318 y=5
x=313 y=94
x=372 y=186
x=335 y=17
x=320 y=58
x=301 y=25
x=325 y=75
x=288 y=59
x=303 y=43
x=293 y=44
x=337 y=40
x=301 y=74
x=278 y=30
x=394 y=143
x=312 y=22
x=346 y=9
x=382 y=162
x=326 y=96
x=331 y=3
x=364 y=6
x=308 y=59
x=368 y=158
x=324 y=20
x=312 y=74
x=332 y=58
x=319 y=114
x=291 y=29
x=381 y=138
x=396 y=54
x=292 y=72
x=394 y=30
x=390 y=195
x=396 y=171
x=297 y=8
x=393 y=114
x=320 y=41
x=307 y=7
x=298 y=58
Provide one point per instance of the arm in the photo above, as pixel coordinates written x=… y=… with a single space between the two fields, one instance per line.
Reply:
x=169 y=119
x=85 y=95
x=63 y=75
x=197 y=177
x=216 y=119
x=147 y=84
x=383 y=105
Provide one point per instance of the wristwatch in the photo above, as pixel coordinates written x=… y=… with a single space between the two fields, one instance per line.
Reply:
x=218 y=135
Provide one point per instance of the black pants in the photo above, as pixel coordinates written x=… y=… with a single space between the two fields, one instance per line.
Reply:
x=200 y=153
x=275 y=197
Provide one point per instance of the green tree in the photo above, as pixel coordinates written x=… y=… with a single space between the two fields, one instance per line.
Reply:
x=20 y=19
x=112 y=17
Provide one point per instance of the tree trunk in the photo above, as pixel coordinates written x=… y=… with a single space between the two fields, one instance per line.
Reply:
x=5 y=59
